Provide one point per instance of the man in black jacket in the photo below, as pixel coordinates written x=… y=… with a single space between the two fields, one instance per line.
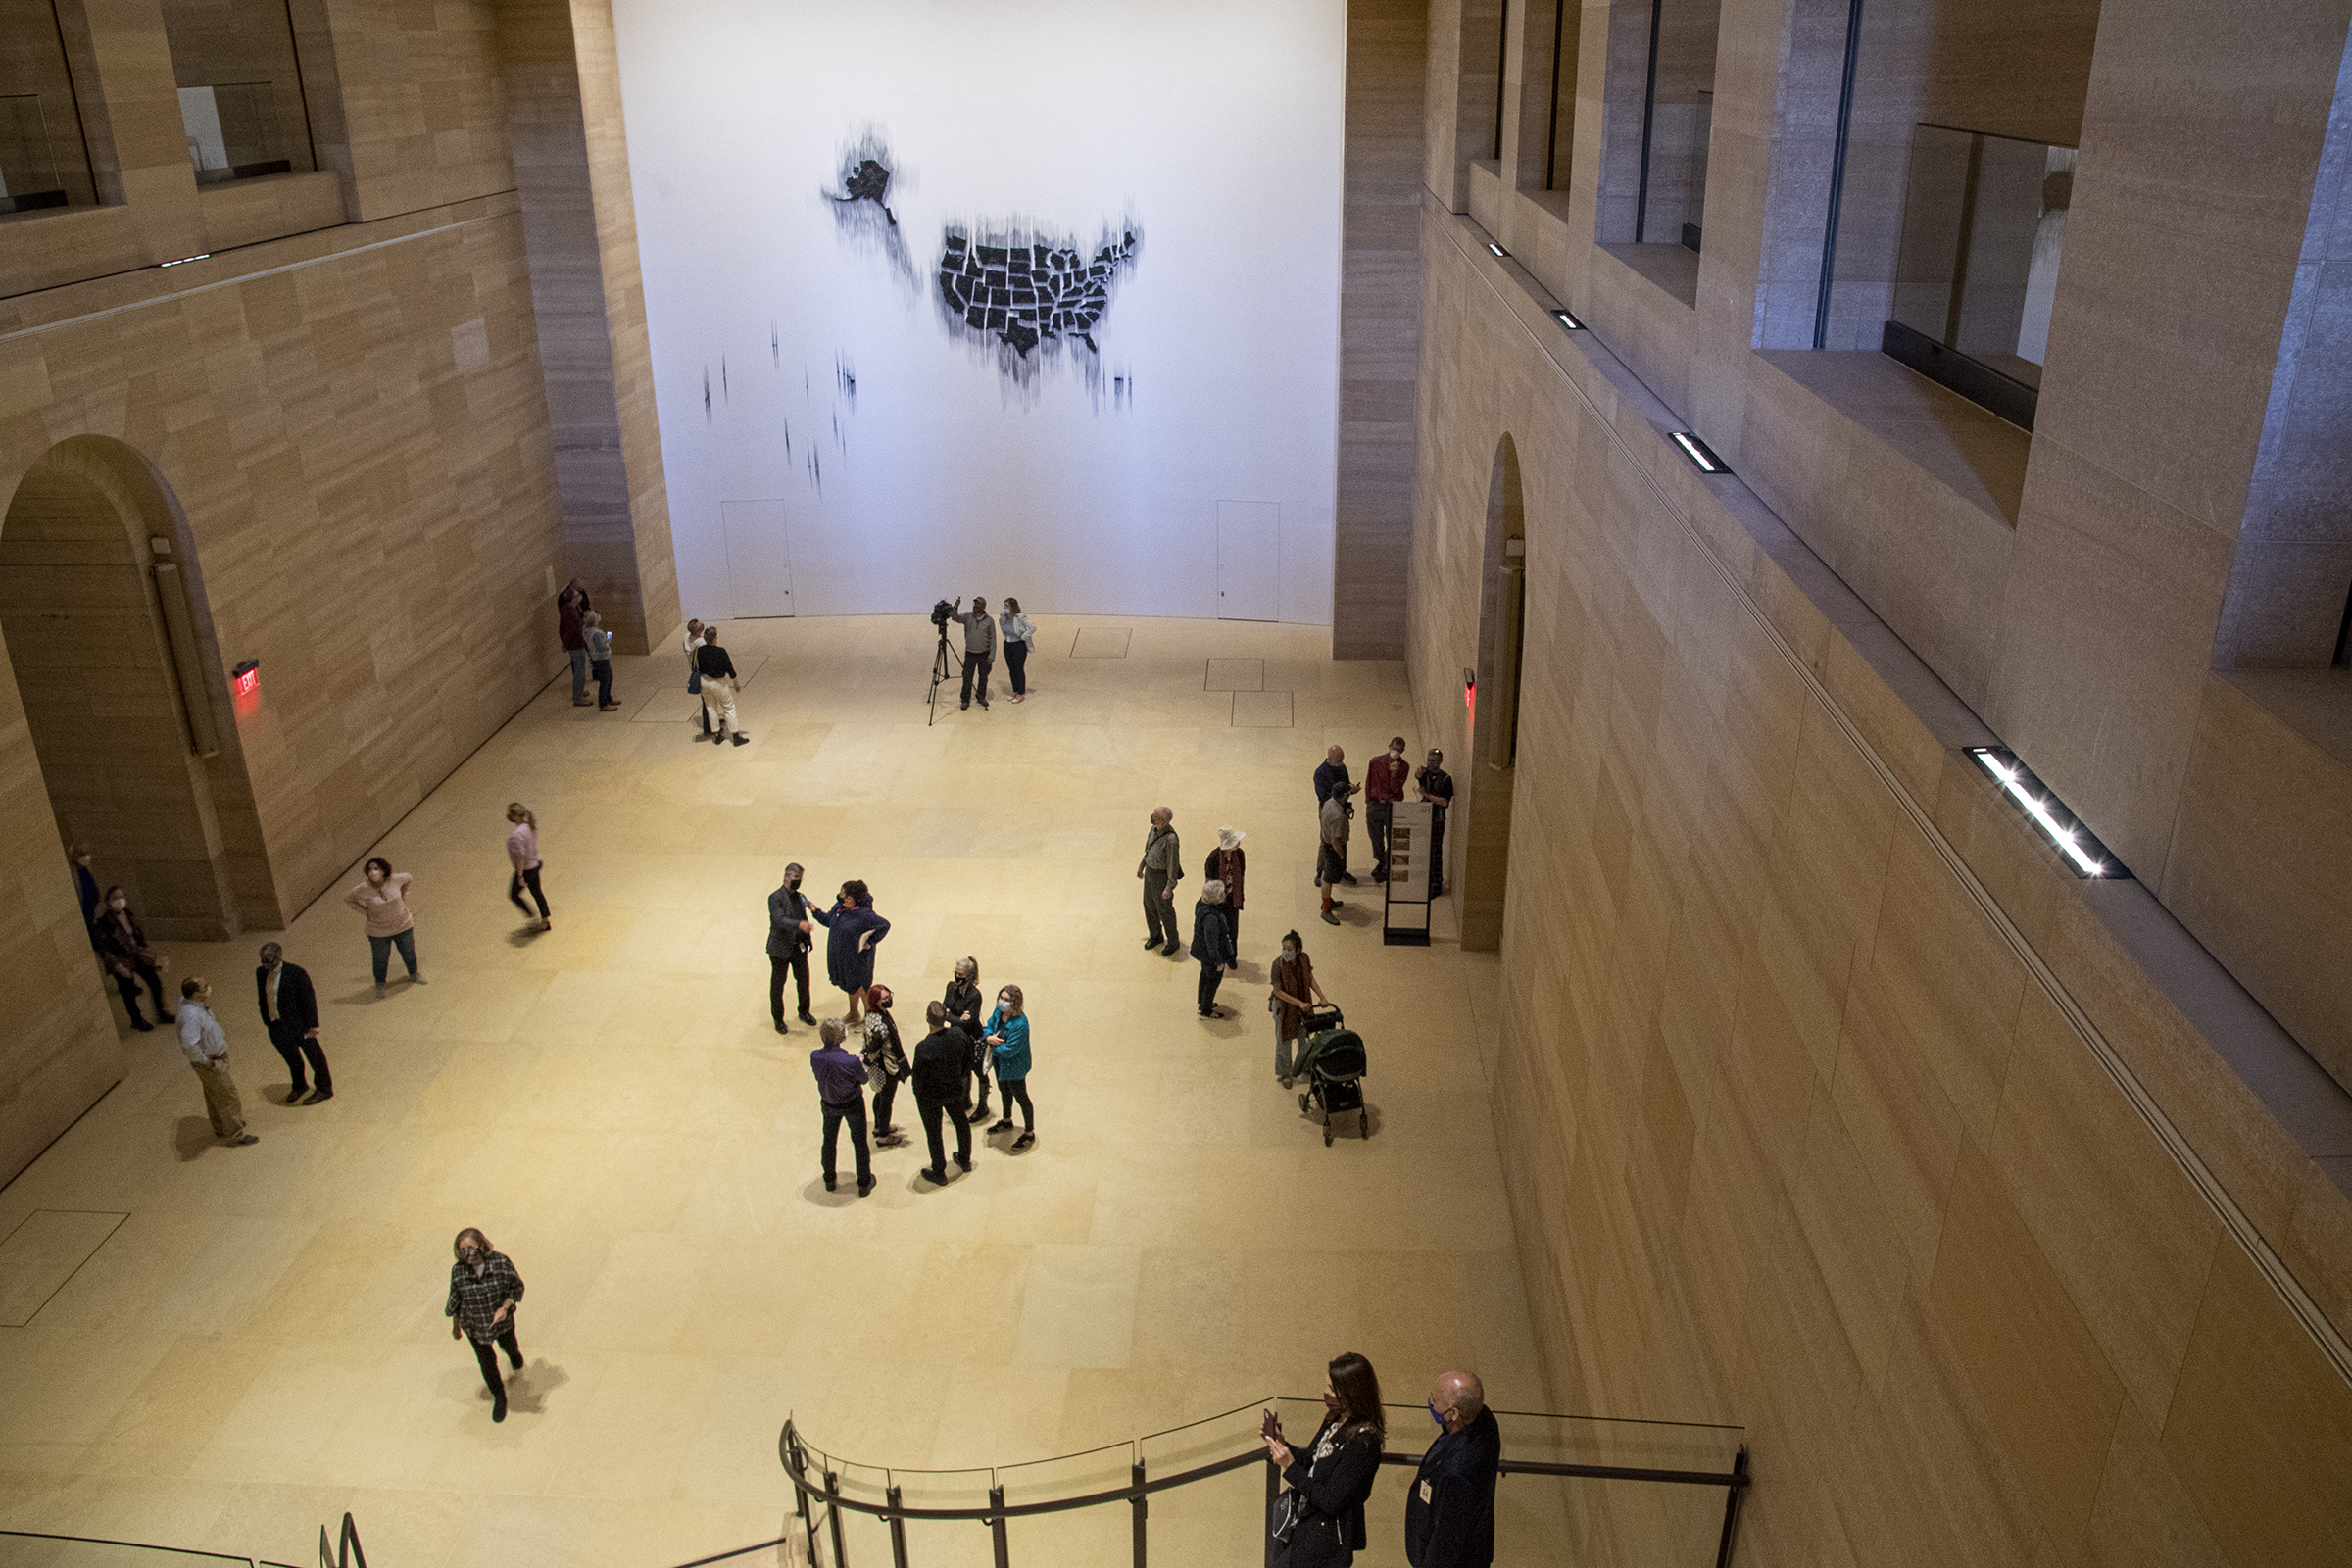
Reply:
x=941 y=1060
x=1449 y=1514
x=290 y=1011
x=788 y=942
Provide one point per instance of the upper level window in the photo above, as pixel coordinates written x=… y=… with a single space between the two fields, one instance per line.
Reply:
x=44 y=159
x=240 y=88
x=1983 y=228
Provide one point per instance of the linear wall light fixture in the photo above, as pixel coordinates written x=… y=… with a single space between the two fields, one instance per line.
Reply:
x=1568 y=322
x=1497 y=249
x=1702 y=455
x=2083 y=854
x=185 y=259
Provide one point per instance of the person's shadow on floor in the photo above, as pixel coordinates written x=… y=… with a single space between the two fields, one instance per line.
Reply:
x=191 y=1136
x=528 y=1389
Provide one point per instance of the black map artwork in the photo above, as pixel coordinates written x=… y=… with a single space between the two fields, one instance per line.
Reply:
x=861 y=207
x=1018 y=292
x=1024 y=290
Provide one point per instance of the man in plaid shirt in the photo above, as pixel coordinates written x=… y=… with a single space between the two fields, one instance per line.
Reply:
x=483 y=1291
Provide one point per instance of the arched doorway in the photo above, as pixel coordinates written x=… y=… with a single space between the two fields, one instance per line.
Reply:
x=1486 y=778
x=110 y=644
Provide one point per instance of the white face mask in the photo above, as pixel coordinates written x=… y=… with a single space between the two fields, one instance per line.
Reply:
x=120 y=904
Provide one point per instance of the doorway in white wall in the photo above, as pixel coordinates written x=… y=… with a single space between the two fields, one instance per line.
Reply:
x=1249 y=561
x=758 y=557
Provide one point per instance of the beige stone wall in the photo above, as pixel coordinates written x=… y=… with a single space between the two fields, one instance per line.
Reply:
x=351 y=422
x=1825 y=1094
x=2087 y=587
x=1380 y=340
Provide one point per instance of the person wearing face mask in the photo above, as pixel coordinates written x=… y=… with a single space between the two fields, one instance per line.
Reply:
x=122 y=943
x=205 y=1044
x=1212 y=946
x=1384 y=788
x=941 y=1060
x=884 y=1058
x=788 y=944
x=1295 y=990
x=1437 y=788
x=963 y=1005
x=1319 y=1522
x=1449 y=1513
x=290 y=1015
x=483 y=1293
x=1007 y=1039
x=383 y=899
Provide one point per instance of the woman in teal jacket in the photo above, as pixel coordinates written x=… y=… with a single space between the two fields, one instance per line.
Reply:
x=1008 y=1038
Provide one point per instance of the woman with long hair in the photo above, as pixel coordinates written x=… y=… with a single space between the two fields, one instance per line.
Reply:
x=1020 y=635
x=1319 y=1522
x=522 y=849
x=1007 y=1039
x=383 y=899
x=1295 y=989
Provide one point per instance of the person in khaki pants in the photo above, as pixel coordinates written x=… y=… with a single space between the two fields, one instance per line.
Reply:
x=206 y=1045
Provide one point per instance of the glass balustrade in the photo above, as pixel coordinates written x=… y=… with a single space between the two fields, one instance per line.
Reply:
x=1983 y=229
x=1572 y=1488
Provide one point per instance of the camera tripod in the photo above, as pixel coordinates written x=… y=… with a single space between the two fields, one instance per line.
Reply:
x=944 y=664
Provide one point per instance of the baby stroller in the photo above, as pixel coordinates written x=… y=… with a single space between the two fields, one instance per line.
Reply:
x=1330 y=1056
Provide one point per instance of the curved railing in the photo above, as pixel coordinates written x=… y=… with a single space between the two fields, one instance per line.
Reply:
x=28 y=1547
x=852 y=1497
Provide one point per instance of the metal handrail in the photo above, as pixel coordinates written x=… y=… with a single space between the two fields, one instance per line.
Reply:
x=346 y=1552
x=135 y=1546
x=826 y=1491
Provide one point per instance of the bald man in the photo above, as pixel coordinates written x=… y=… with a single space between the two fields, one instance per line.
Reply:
x=1161 y=868
x=1449 y=1514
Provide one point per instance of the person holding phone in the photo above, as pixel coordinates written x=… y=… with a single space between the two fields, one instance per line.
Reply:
x=851 y=928
x=1319 y=1522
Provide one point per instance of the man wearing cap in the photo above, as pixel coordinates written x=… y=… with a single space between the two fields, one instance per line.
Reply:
x=1225 y=864
x=1384 y=787
x=1437 y=788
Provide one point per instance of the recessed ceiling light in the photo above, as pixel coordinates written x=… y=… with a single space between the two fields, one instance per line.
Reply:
x=1568 y=322
x=185 y=260
x=2085 y=854
x=1699 y=453
x=1497 y=249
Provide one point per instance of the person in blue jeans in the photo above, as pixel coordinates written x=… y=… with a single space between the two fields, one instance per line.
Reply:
x=600 y=659
x=1007 y=1042
x=1020 y=635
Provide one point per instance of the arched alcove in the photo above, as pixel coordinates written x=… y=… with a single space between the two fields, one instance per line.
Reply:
x=109 y=641
x=1485 y=776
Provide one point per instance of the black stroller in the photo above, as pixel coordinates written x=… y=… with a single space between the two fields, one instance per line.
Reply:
x=1330 y=1056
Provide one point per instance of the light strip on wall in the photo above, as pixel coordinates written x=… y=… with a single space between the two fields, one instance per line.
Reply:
x=1698 y=452
x=185 y=259
x=1568 y=322
x=1497 y=249
x=2056 y=822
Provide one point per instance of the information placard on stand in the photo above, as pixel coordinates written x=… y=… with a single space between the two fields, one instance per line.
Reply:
x=1404 y=922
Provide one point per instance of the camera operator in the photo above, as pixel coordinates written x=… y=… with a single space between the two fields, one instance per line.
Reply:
x=979 y=645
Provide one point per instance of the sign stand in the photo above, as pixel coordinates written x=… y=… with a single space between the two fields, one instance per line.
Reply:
x=1404 y=922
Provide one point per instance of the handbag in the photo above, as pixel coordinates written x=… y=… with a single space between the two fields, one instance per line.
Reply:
x=694 y=683
x=1288 y=1509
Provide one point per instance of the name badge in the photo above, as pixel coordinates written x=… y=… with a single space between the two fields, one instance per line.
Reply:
x=1425 y=1494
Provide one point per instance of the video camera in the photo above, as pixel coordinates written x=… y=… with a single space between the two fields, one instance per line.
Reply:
x=940 y=614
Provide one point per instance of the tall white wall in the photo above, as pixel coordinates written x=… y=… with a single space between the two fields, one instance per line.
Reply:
x=1215 y=125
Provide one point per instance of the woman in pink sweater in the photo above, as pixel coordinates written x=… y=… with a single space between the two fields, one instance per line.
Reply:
x=522 y=849
x=385 y=899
